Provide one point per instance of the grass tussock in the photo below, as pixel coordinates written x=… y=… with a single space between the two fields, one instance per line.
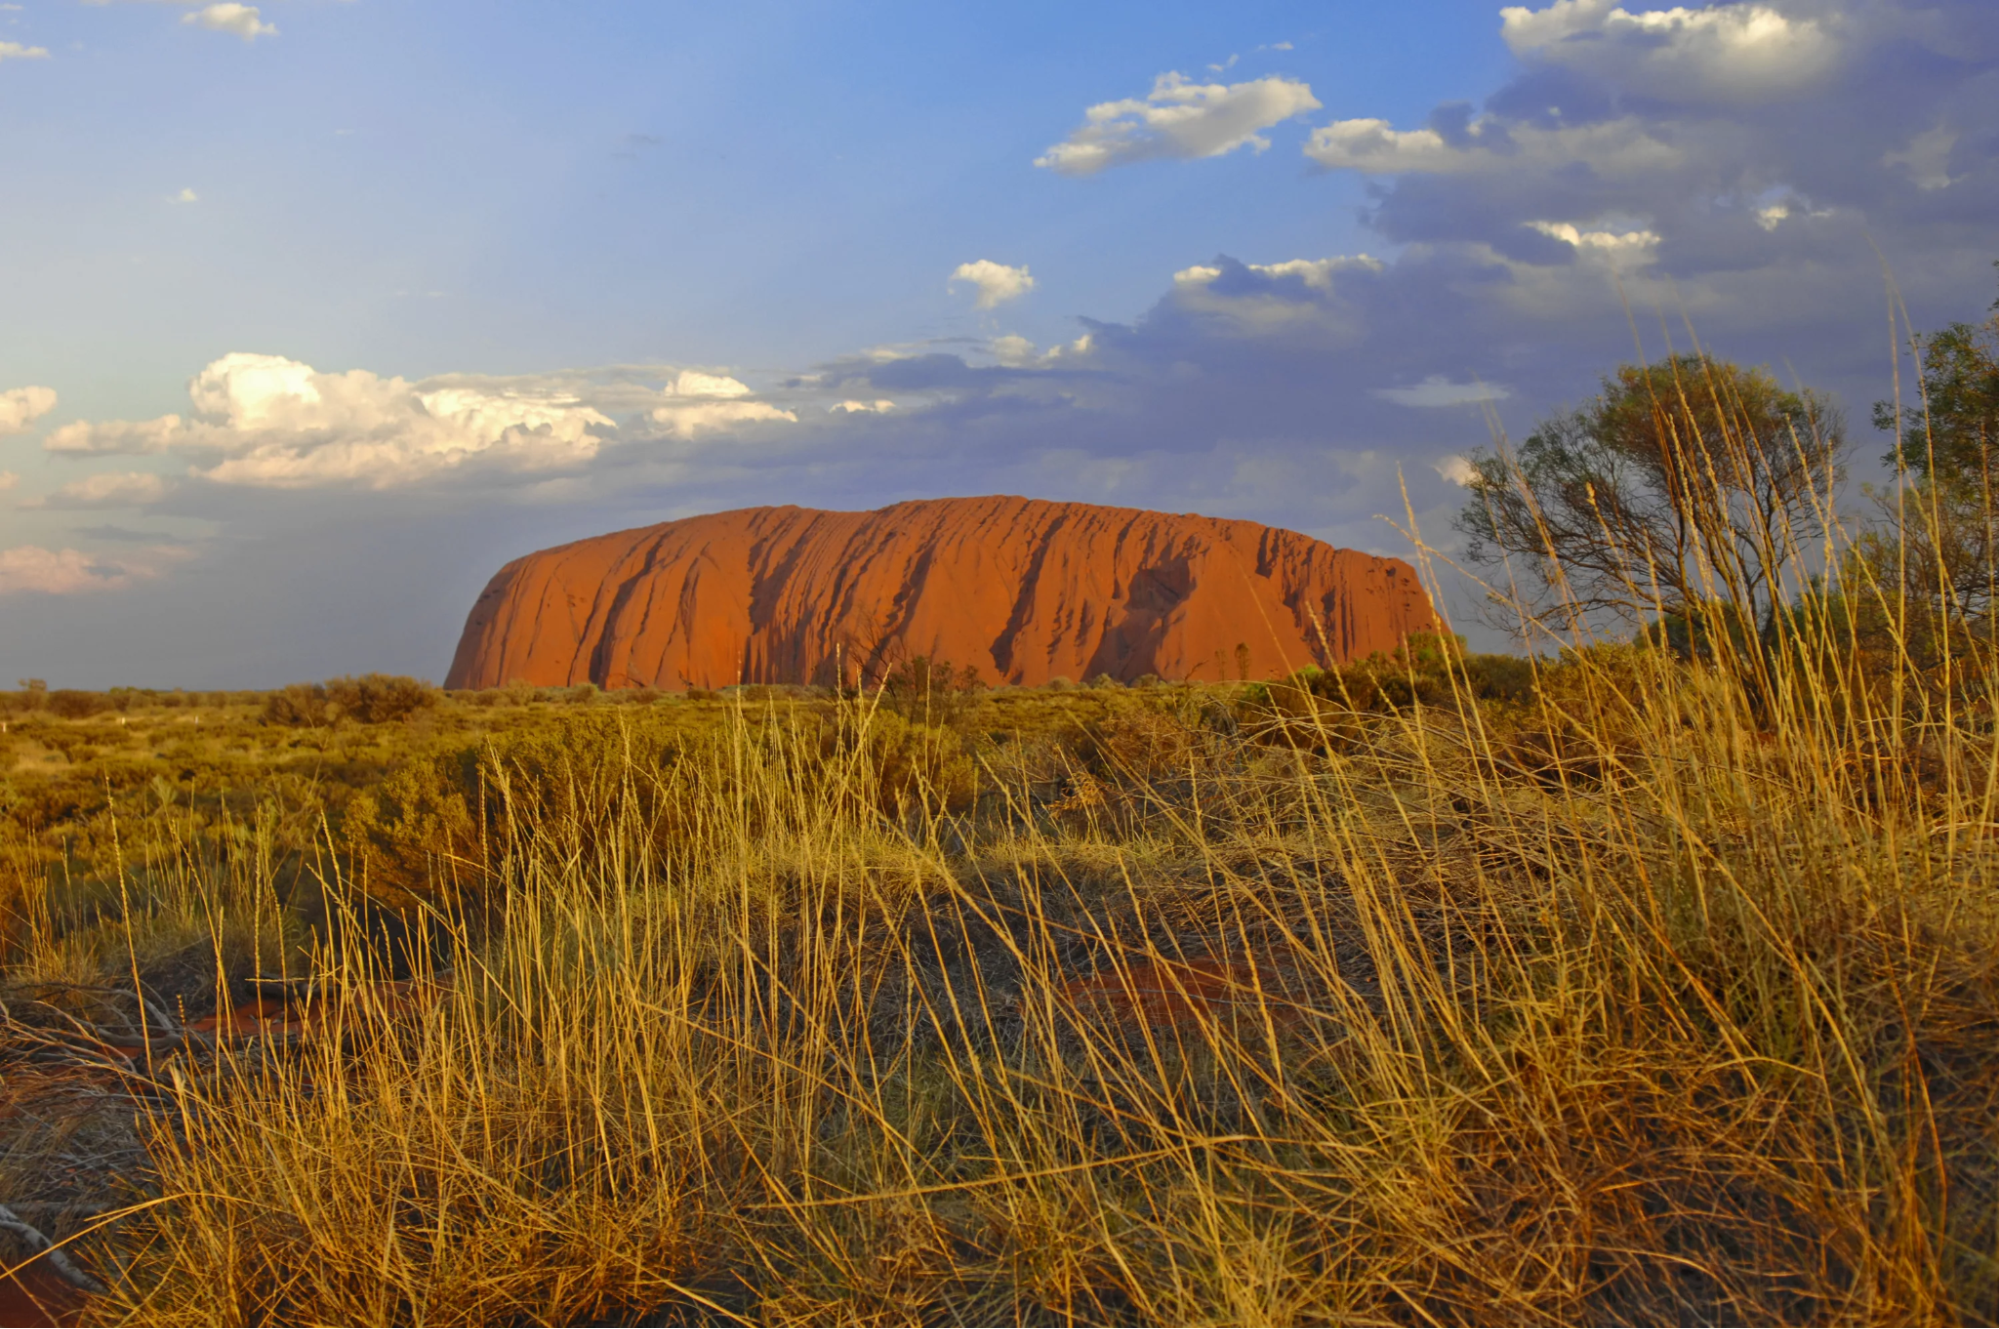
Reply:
x=1625 y=996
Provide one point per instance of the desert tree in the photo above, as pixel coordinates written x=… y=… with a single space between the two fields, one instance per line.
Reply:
x=1938 y=545
x=1951 y=430
x=1684 y=488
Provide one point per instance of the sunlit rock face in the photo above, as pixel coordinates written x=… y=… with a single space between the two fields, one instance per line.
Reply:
x=1021 y=590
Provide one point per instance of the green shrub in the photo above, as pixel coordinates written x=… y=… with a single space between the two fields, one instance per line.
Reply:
x=300 y=705
x=74 y=705
x=416 y=832
x=380 y=698
x=905 y=765
x=369 y=699
x=932 y=692
x=33 y=696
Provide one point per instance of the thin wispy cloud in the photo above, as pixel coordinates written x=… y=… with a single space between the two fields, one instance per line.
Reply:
x=1438 y=390
x=1179 y=118
x=1926 y=157
x=31 y=569
x=107 y=489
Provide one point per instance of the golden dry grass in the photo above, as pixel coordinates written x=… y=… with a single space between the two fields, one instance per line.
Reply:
x=1354 y=1021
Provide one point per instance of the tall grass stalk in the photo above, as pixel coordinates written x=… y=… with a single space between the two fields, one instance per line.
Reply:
x=1318 y=1027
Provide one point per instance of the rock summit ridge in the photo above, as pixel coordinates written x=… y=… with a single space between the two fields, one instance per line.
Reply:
x=1022 y=590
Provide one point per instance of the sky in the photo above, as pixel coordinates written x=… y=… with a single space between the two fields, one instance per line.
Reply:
x=318 y=311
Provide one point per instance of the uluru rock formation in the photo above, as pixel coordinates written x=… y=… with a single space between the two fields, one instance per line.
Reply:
x=1021 y=590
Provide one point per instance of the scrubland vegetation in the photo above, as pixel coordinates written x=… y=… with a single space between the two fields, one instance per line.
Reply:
x=1646 y=980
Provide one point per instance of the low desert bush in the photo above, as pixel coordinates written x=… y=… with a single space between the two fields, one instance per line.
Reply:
x=369 y=699
x=299 y=705
x=70 y=704
x=380 y=698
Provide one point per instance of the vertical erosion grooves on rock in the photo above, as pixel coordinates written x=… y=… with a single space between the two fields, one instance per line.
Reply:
x=1021 y=590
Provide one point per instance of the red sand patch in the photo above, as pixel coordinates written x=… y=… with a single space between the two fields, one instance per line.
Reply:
x=1166 y=993
x=256 y=1016
x=34 y=1297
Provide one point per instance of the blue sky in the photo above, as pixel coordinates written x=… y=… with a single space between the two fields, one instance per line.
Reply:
x=321 y=311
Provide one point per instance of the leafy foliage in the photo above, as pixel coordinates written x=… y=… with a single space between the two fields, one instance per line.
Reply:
x=1951 y=431
x=934 y=692
x=1689 y=481
x=369 y=699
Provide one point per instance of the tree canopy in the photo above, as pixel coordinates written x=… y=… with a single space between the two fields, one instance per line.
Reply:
x=1951 y=430
x=1684 y=483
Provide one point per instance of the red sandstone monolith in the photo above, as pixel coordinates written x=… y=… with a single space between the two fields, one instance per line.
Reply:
x=1021 y=590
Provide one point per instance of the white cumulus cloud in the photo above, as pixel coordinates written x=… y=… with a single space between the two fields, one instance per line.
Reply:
x=1314 y=273
x=1017 y=352
x=1179 y=118
x=1611 y=245
x=862 y=407
x=685 y=420
x=187 y=196
x=1317 y=273
x=1457 y=469
x=1013 y=350
x=244 y=21
x=1743 y=52
x=996 y=283
x=16 y=51
x=699 y=402
x=1292 y=298
x=268 y=421
x=21 y=407
x=692 y=383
